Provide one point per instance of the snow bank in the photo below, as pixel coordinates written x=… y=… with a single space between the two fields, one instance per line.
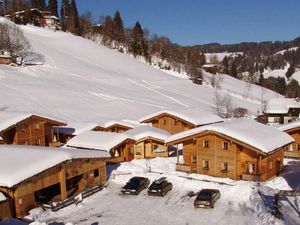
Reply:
x=262 y=137
x=18 y=163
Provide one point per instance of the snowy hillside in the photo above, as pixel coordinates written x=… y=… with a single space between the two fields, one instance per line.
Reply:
x=84 y=82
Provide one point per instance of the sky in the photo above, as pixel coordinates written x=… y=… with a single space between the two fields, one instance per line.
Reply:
x=191 y=22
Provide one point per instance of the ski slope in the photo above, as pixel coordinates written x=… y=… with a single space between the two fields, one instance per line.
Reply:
x=82 y=81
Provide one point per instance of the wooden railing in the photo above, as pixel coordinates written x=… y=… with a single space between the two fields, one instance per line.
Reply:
x=250 y=177
x=291 y=155
x=116 y=160
x=183 y=168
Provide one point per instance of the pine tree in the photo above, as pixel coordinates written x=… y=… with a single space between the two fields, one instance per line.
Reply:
x=74 y=19
x=65 y=15
x=119 y=34
x=225 y=65
x=234 y=71
x=52 y=7
x=290 y=72
x=39 y=4
x=138 y=43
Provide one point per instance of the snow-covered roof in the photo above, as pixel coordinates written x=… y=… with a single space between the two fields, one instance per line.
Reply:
x=75 y=128
x=18 y=163
x=145 y=131
x=282 y=105
x=195 y=116
x=110 y=123
x=5 y=56
x=9 y=119
x=289 y=126
x=262 y=137
x=97 y=140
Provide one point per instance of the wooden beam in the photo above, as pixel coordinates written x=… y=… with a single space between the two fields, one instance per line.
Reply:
x=63 y=183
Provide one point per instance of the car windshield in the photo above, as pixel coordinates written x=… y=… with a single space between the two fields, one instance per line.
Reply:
x=204 y=196
x=155 y=185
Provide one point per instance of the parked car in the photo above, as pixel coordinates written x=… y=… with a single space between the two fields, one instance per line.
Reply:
x=160 y=187
x=207 y=198
x=135 y=185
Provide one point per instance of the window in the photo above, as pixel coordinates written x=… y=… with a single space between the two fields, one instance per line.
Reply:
x=298 y=146
x=131 y=150
x=205 y=164
x=194 y=159
x=225 y=145
x=155 y=147
x=138 y=149
x=164 y=122
x=276 y=119
x=225 y=167
x=96 y=173
x=23 y=127
x=205 y=143
x=270 y=165
x=37 y=126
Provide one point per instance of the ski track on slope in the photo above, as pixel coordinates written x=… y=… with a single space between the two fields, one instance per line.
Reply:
x=157 y=92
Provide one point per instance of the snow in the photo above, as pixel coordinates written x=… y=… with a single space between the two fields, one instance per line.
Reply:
x=282 y=105
x=75 y=128
x=285 y=50
x=81 y=81
x=289 y=126
x=97 y=140
x=220 y=55
x=18 y=163
x=8 y=119
x=240 y=202
x=145 y=131
x=2 y=197
x=194 y=116
x=257 y=135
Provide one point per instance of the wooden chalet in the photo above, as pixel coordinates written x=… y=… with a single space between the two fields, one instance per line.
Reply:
x=73 y=129
x=5 y=207
x=293 y=129
x=237 y=149
x=119 y=146
x=149 y=142
x=28 y=129
x=176 y=121
x=281 y=111
x=5 y=59
x=52 y=177
x=210 y=68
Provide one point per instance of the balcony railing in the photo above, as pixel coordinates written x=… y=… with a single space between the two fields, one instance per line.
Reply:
x=250 y=177
x=294 y=155
x=183 y=168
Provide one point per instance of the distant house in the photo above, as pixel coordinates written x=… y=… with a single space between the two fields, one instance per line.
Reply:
x=237 y=149
x=75 y=128
x=5 y=59
x=293 y=129
x=120 y=146
x=31 y=175
x=28 y=129
x=210 y=68
x=175 y=121
x=281 y=111
x=149 y=142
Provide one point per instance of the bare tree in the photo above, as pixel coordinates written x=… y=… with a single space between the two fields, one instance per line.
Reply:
x=13 y=40
x=224 y=104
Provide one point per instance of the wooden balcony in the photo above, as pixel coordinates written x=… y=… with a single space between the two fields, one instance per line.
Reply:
x=116 y=160
x=293 y=155
x=250 y=177
x=183 y=168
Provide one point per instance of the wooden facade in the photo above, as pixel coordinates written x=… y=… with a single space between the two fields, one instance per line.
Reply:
x=123 y=152
x=57 y=183
x=149 y=148
x=169 y=123
x=34 y=130
x=5 y=209
x=216 y=154
x=5 y=59
x=117 y=128
x=293 y=151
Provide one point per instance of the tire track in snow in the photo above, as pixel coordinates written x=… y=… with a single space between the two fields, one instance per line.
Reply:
x=151 y=88
x=110 y=97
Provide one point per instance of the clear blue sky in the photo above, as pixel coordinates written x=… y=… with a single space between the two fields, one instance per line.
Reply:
x=190 y=22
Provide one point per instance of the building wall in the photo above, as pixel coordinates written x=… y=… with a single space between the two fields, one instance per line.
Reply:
x=24 y=194
x=296 y=150
x=5 y=209
x=236 y=158
x=145 y=149
x=5 y=61
x=171 y=124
